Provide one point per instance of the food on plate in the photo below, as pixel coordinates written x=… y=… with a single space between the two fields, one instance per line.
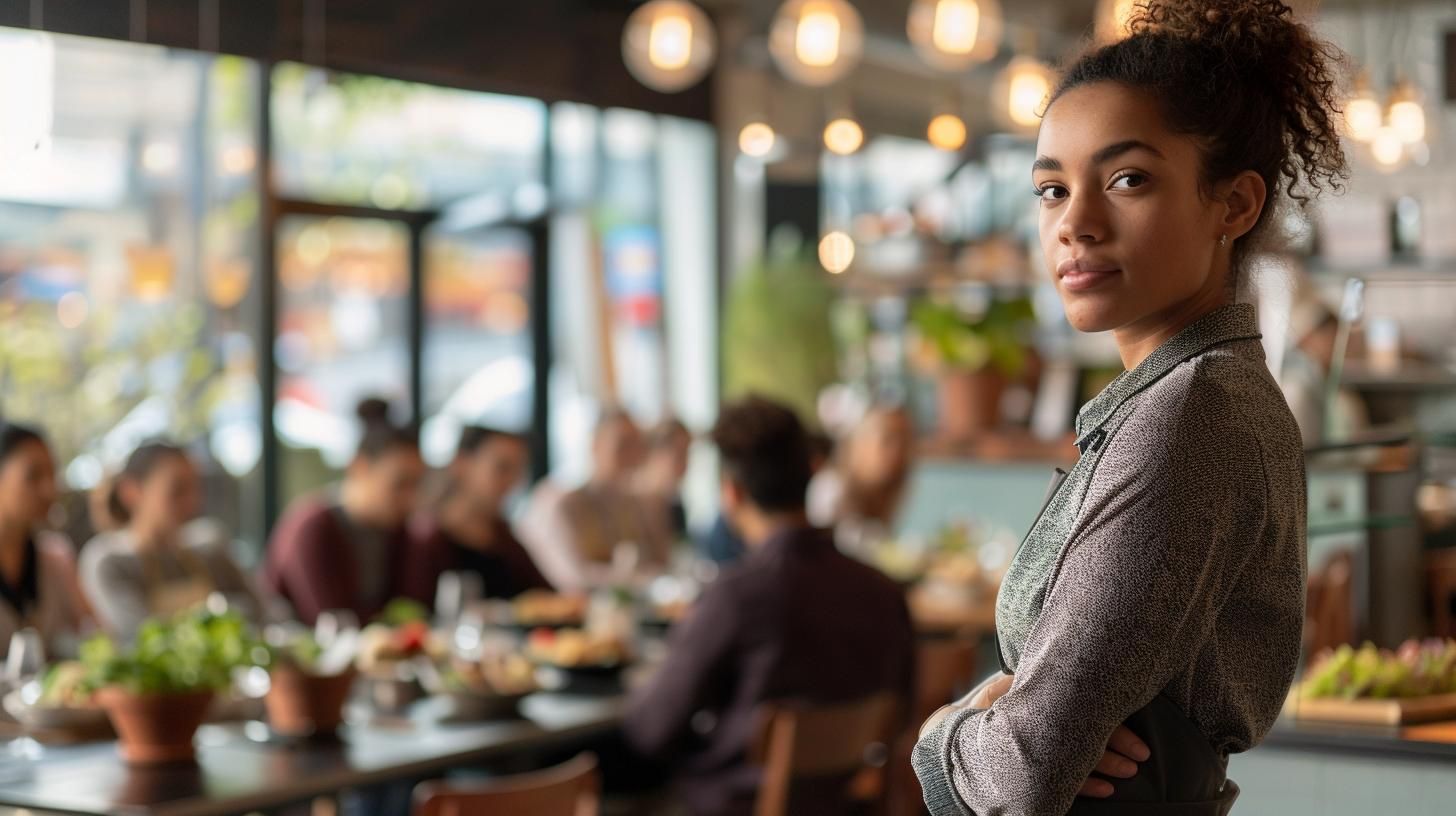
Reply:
x=503 y=675
x=66 y=685
x=575 y=648
x=541 y=608
x=403 y=610
x=1416 y=669
x=672 y=611
x=382 y=647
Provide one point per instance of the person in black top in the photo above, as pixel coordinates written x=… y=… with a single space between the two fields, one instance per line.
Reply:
x=467 y=531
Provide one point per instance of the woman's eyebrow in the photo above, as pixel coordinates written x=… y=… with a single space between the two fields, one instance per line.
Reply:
x=1105 y=154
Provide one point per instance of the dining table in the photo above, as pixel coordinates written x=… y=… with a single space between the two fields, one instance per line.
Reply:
x=242 y=767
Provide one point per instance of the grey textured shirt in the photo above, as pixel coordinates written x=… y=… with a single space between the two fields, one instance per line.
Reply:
x=1170 y=561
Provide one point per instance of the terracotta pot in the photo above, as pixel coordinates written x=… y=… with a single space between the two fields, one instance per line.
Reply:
x=155 y=728
x=302 y=704
x=970 y=402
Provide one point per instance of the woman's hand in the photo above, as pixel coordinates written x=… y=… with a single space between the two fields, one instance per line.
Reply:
x=1124 y=751
x=982 y=697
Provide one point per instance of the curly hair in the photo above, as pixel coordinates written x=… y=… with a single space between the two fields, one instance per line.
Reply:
x=1257 y=90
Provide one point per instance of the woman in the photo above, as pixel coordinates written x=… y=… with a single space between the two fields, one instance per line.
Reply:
x=162 y=560
x=468 y=531
x=860 y=496
x=346 y=549
x=38 y=586
x=1149 y=625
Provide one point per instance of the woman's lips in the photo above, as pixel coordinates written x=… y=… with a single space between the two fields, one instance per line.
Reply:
x=1079 y=275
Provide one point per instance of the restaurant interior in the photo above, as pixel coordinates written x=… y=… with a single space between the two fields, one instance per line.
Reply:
x=321 y=291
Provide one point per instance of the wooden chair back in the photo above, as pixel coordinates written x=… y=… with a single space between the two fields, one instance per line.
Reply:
x=570 y=789
x=800 y=741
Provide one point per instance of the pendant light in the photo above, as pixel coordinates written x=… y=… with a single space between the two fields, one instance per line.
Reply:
x=953 y=35
x=1113 y=19
x=816 y=42
x=1406 y=116
x=836 y=252
x=757 y=139
x=1362 y=111
x=668 y=45
x=1021 y=91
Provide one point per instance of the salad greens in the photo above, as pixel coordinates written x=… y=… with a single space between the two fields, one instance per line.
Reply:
x=403 y=610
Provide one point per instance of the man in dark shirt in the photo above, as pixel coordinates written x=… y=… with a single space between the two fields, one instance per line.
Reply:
x=796 y=620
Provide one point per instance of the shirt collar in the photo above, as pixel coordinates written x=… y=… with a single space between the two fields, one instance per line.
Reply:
x=1228 y=324
x=797 y=539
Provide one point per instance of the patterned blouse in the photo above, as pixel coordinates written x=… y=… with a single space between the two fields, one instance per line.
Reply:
x=1168 y=566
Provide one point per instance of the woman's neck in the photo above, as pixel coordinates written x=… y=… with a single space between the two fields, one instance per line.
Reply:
x=1138 y=340
x=469 y=521
x=13 y=536
x=148 y=537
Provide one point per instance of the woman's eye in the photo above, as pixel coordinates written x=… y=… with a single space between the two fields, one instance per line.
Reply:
x=1051 y=192
x=1129 y=181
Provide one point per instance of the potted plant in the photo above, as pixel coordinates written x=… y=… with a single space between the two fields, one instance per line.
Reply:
x=975 y=356
x=309 y=686
x=157 y=691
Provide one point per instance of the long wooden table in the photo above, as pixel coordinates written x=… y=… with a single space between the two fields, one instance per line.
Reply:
x=240 y=769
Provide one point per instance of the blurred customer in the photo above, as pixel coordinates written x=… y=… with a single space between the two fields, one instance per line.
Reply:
x=797 y=620
x=468 y=531
x=163 y=560
x=1304 y=375
x=660 y=479
x=576 y=535
x=38 y=587
x=860 y=494
x=346 y=548
x=723 y=544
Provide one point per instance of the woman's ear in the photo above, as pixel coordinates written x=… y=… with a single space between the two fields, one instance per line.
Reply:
x=1243 y=202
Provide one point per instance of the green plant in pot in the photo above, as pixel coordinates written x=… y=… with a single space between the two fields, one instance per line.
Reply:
x=157 y=690
x=309 y=685
x=974 y=355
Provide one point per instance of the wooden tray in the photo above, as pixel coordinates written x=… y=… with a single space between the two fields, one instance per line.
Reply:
x=1374 y=712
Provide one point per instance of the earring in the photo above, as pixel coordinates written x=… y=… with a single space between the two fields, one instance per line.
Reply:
x=1223 y=239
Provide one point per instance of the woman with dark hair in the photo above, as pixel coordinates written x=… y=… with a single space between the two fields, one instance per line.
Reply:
x=1149 y=625
x=346 y=549
x=859 y=496
x=468 y=531
x=161 y=559
x=38 y=586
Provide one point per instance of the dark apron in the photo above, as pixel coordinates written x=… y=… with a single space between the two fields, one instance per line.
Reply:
x=1184 y=776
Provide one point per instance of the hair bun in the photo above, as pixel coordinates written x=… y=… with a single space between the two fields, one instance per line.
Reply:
x=373 y=411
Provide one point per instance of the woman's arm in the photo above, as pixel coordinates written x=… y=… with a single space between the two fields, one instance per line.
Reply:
x=1166 y=528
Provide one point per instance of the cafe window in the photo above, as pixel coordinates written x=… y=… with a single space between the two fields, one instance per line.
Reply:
x=128 y=260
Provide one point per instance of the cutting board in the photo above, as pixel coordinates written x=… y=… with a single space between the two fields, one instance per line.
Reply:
x=1374 y=712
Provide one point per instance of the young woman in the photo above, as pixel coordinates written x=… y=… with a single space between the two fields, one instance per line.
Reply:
x=468 y=531
x=346 y=549
x=1149 y=625
x=162 y=560
x=38 y=586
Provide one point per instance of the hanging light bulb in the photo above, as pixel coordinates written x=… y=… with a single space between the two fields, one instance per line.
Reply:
x=947 y=132
x=1387 y=147
x=816 y=42
x=668 y=45
x=1406 y=116
x=843 y=136
x=1362 y=112
x=756 y=139
x=1114 y=18
x=954 y=34
x=836 y=252
x=1021 y=90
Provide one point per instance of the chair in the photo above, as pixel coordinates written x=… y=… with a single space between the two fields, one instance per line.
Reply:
x=1330 y=611
x=944 y=669
x=825 y=745
x=1441 y=584
x=570 y=789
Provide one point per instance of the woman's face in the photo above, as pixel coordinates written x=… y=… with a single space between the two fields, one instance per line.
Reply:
x=27 y=484
x=492 y=471
x=1128 y=236
x=166 y=498
x=390 y=484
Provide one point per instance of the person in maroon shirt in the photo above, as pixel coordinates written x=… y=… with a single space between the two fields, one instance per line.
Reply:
x=467 y=531
x=795 y=621
x=347 y=549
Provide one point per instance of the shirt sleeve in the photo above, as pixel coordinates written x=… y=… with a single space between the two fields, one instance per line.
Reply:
x=659 y=716
x=1166 y=528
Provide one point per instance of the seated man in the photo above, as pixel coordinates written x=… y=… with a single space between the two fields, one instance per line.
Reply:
x=797 y=620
